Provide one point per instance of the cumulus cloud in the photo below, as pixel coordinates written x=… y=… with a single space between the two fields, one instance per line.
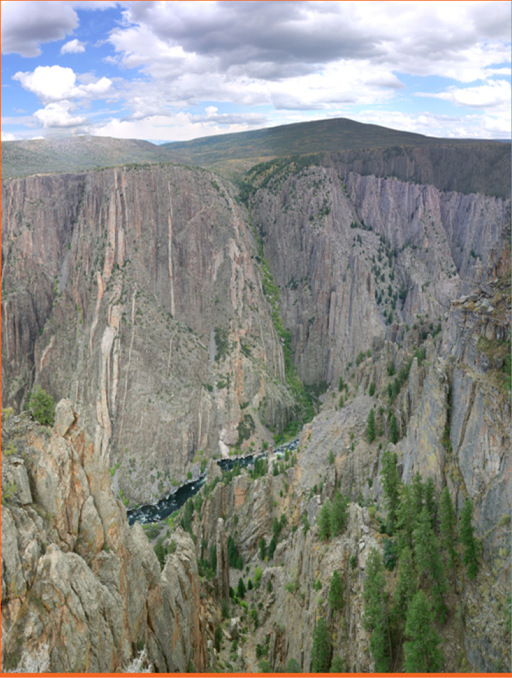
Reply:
x=178 y=127
x=54 y=83
x=58 y=114
x=7 y=136
x=493 y=94
x=308 y=55
x=73 y=47
x=25 y=25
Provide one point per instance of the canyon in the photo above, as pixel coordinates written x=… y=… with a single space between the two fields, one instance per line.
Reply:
x=180 y=315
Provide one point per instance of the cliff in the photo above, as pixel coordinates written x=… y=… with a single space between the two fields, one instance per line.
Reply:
x=81 y=590
x=136 y=293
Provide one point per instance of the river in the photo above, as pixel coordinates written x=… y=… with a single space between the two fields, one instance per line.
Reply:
x=154 y=513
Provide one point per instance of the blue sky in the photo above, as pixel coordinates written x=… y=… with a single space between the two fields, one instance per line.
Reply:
x=171 y=71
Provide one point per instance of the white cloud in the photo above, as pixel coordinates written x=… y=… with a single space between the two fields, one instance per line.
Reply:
x=55 y=83
x=7 y=136
x=493 y=94
x=25 y=25
x=178 y=127
x=307 y=55
x=57 y=114
x=481 y=126
x=49 y=83
x=73 y=47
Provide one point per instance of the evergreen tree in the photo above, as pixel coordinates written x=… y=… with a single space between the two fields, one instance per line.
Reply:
x=337 y=665
x=292 y=666
x=421 y=651
x=240 y=589
x=336 y=591
x=338 y=514
x=468 y=540
x=370 y=426
x=448 y=521
x=417 y=494
x=272 y=547
x=371 y=390
x=406 y=586
x=263 y=548
x=391 y=485
x=321 y=651
x=393 y=430
x=213 y=559
x=324 y=521
x=406 y=518
x=429 y=493
x=376 y=612
x=218 y=638
x=428 y=560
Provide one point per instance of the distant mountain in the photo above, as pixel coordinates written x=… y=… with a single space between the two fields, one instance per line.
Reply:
x=449 y=164
x=74 y=154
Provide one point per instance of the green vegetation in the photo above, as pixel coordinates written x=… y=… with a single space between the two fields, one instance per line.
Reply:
x=42 y=407
x=221 y=343
x=333 y=516
x=370 y=426
x=421 y=651
x=468 y=540
x=376 y=612
x=336 y=591
x=391 y=486
x=322 y=649
x=448 y=520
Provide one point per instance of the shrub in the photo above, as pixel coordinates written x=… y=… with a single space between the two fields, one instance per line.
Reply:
x=42 y=407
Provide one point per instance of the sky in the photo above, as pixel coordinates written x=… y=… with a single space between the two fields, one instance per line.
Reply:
x=178 y=70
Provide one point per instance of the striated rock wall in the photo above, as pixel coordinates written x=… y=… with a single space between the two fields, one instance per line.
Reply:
x=135 y=292
x=348 y=249
x=77 y=581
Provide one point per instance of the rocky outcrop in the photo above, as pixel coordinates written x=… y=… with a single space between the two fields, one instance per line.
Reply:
x=77 y=582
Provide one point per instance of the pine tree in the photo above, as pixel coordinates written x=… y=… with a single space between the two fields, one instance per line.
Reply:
x=321 y=651
x=429 y=493
x=393 y=430
x=376 y=612
x=263 y=548
x=272 y=547
x=391 y=485
x=421 y=651
x=292 y=666
x=337 y=665
x=338 y=514
x=428 y=560
x=468 y=540
x=406 y=586
x=240 y=589
x=417 y=494
x=371 y=390
x=406 y=518
x=336 y=591
x=448 y=521
x=324 y=521
x=370 y=426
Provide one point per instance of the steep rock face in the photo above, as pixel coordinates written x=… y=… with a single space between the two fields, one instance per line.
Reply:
x=448 y=167
x=135 y=293
x=77 y=583
x=353 y=255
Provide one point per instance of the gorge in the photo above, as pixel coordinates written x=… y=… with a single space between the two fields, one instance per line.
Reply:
x=181 y=315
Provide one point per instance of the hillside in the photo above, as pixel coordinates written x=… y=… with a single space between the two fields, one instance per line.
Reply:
x=74 y=154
